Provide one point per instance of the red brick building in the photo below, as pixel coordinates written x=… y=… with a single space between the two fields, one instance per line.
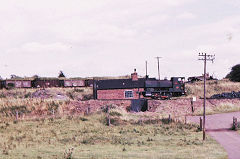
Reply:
x=119 y=88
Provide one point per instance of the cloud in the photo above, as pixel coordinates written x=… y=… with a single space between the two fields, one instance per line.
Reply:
x=35 y=47
x=105 y=37
x=186 y=15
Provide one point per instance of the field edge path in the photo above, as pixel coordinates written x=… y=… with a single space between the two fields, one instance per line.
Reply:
x=218 y=127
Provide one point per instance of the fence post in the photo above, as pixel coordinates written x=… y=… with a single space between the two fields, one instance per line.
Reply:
x=234 y=123
x=192 y=106
x=53 y=112
x=108 y=116
x=17 y=115
x=88 y=110
x=169 y=118
x=193 y=99
x=200 y=124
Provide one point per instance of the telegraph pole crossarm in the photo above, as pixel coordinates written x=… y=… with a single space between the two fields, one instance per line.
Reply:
x=204 y=57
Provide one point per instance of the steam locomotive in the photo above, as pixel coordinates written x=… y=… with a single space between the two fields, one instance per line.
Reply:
x=164 y=89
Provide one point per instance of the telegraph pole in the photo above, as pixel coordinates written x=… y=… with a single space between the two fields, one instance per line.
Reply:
x=204 y=57
x=146 y=69
x=158 y=67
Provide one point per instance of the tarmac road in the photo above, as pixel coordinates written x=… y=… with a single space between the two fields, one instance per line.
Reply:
x=218 y=126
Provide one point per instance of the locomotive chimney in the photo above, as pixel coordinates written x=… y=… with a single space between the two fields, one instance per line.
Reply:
x=134 y=75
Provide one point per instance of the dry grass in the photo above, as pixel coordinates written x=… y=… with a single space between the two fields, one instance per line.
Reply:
x=23 y=101
x=221 y=108
x=89 y=137
x=76 y=93
x=132 y=135
x=213 y=87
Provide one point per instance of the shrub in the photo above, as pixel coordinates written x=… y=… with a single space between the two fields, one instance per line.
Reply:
x=78 y=90
x=115 y=113
x=53 y=107
x=87 y=97
x=27 y=95
x=68 y=154
x=14 y=109
x=2 y=95
x=70 y=95
x=83 y=119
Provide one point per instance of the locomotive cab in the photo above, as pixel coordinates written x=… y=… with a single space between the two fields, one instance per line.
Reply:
x=178 y=85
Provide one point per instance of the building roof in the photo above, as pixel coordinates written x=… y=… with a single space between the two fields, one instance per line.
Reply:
x=121 y=83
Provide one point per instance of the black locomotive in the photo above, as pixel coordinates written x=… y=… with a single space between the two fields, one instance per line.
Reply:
x=164 y=89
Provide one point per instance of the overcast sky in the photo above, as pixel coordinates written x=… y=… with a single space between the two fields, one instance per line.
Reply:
x=112 y=37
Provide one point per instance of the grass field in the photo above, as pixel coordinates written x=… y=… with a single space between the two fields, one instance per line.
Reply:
x=212 y=87
x=221 y=108
x=131 y=135
x=90 y=137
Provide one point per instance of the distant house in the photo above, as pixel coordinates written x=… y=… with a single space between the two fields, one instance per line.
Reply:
x=119 y=88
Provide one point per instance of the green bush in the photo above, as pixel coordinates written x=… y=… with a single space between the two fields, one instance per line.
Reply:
x=234 y=75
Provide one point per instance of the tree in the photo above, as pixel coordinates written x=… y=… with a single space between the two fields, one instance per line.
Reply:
x=61 y=74
x=35 y=76
x=234 y=75
x=15 y=76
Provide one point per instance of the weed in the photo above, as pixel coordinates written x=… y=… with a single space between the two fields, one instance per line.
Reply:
x=149 y=139
x=135 y=130
x=9 y=111
x=27 y=95
x=86 y=141
x=7 y=124
x=70 y=95
x=53 y=106
x=237 y=128
x=87 y=97
x=2 y=95
x=78 y=90
x=166 y=120
x=83 y=119
x=115 y=113
x=68 y=153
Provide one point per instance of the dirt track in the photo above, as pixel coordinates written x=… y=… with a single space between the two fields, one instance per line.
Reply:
x=218 y=126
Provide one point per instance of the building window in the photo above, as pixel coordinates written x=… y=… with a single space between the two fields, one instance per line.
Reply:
x=128 y=94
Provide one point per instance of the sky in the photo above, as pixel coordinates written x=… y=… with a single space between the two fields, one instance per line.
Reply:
x=86 y=38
